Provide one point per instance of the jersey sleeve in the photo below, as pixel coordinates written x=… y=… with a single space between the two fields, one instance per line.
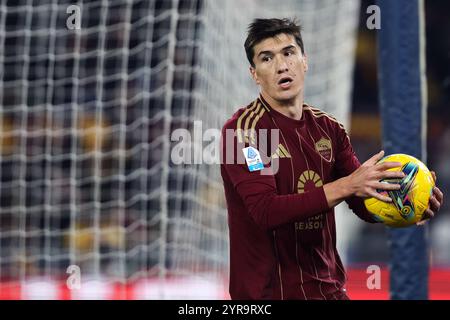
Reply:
x=346 y=163
x=258 y=190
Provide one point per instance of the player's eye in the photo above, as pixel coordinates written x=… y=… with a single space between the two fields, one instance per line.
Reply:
x=266 y=58
x=288 y=53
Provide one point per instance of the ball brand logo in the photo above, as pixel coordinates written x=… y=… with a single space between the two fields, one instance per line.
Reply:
x=400 y=198
x=323 y=147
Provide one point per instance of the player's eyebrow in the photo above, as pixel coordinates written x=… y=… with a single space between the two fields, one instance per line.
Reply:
x=288 y=48
x=268 y=52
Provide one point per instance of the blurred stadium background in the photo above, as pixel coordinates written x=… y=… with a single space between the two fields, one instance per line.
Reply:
x=86 y=118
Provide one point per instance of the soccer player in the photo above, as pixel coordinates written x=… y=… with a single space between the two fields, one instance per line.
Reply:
x=281 y=217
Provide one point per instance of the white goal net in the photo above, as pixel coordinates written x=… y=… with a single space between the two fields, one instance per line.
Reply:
x=87 y=182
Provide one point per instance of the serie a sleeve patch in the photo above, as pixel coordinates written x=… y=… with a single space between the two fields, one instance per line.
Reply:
x=253 y=159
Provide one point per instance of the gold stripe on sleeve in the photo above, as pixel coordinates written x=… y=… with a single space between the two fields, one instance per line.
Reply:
x=239 y=122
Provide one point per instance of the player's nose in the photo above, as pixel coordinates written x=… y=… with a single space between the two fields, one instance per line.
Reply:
x=282 y=66
x=282 y=70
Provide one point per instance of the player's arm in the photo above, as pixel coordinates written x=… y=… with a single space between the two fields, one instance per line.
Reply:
x=361 y=181
x=364 y=181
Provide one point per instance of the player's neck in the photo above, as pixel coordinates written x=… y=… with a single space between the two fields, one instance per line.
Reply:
x=290 y=108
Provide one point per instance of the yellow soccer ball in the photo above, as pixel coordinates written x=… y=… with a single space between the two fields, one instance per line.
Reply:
x=410 y=202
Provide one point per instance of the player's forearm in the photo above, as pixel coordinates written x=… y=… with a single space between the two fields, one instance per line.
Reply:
x=337 y=191
x=340 y=190
x=270 y=210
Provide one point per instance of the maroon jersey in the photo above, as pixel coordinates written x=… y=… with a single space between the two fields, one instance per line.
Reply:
x=282 y=232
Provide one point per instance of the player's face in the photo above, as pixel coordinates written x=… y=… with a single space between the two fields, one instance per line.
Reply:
x=280 y=67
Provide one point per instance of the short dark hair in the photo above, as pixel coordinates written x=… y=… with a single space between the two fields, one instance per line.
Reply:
x=261 y=29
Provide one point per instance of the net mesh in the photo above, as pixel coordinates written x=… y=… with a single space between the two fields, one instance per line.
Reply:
x=87 y=118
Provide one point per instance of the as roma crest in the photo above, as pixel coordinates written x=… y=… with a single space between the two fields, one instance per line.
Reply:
x=323 y=147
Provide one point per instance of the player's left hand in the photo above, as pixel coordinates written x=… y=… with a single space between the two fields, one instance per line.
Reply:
x=434 y=204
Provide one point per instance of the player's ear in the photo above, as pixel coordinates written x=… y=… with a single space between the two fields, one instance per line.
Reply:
x=254 y=75
x=305 y=62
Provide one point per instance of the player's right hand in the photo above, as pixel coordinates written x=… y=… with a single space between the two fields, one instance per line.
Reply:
x=365 y=181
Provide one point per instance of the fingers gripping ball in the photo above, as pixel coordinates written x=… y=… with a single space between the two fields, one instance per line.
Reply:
x=411 y=200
